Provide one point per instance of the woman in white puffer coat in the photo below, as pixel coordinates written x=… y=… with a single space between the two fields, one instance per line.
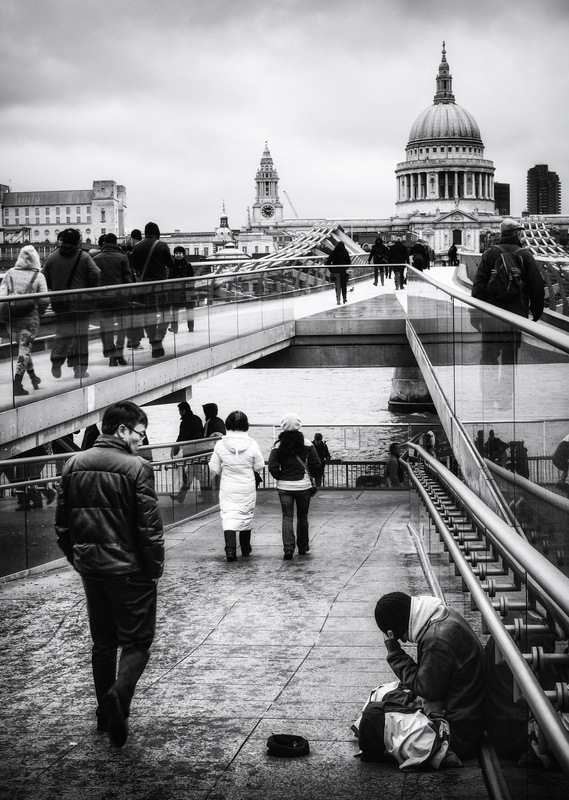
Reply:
x=236 y=457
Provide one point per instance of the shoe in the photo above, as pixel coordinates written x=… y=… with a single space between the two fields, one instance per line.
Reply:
x=121 y=361
x=117 y=726
x=56 y=370
x=35 y=380
x=288 y=556
x=190 y=326
x=173 y=327
x=302 y=551
x=113 y=362
x=80 y=372
x=158 y=352
x=338 y=303
x=18 y=389
x=375 y=283
x=50 y=494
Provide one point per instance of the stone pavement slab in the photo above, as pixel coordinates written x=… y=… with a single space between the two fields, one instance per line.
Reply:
x=242 y=651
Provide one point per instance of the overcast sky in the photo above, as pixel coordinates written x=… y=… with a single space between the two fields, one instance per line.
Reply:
x=175 y=99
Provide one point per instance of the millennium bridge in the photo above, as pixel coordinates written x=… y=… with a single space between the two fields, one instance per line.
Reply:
x=231 y=663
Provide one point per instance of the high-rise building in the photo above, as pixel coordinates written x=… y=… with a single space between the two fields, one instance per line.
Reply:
x=544 y=191
x=502 y=198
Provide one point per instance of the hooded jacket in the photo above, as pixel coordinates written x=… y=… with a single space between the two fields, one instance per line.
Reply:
x=531 y=298
x=213 y=423
x=449 y=670
x=235 y=457
x=25 y=277
x=107 y=518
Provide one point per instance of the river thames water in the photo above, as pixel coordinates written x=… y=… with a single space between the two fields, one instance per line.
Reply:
x=355 y=399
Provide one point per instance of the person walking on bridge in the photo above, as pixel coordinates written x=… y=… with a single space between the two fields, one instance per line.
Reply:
x=108 y=524
x=70 y=267
x=379 y=256
x=339 y=261
x=25 y=277
x=398 y=257
x=152 y=261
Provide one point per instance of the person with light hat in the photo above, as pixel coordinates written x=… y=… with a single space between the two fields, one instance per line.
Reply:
x=532 y=294
x=449 y=671
x=23 y=321
x=292 y=461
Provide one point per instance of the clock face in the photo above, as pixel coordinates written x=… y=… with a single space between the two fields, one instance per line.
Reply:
x=267 y=210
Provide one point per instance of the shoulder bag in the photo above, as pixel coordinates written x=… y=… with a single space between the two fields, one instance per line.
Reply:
x=313 y=487
x=16 y=309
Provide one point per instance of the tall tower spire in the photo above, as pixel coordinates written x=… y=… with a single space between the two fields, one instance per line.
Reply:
x=444 y=81
x=267 y=208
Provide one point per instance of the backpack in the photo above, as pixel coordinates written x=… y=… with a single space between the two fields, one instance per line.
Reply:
x=506 y=281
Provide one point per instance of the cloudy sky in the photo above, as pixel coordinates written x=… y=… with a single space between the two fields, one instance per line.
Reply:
x=175 y=99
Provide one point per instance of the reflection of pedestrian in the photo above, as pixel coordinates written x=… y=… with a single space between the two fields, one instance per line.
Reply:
x=398 y=257
x=108 y=525
x=452 y=256
x=291 y=458
x=495 y=449
x=152 y=261
x=236 y=457
x=518 y=459
x=115 y=269
x=323 y=454
x=25 y=278
x=394 y=471
x=379 y=256
x=183 y=293
x=191 y=428
x=70 y=267
x=419 y=255
x=339 y=261
x=561 y=460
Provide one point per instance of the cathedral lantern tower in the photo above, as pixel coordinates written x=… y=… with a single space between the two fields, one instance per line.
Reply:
x=445 y=166
x=267 y=208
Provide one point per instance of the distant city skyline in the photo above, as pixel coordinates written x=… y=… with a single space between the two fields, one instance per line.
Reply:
x=175 y=101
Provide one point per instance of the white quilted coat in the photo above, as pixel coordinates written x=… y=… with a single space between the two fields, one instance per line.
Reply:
x=234 y=457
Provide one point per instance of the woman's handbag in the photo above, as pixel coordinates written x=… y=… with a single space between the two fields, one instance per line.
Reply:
x=313 y=487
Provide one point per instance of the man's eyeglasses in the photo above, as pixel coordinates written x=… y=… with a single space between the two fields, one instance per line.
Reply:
x=133 y=430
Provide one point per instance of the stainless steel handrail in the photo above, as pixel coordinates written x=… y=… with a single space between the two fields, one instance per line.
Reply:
x=535 y=696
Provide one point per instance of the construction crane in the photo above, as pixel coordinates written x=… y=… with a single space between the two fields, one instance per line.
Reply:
x=291 y=205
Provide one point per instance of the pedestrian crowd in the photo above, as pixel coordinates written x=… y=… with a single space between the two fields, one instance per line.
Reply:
x=124 y=315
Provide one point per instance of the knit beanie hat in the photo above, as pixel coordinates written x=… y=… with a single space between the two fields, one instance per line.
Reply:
x=136 y=233
x=70 y=236
x=28 y=258
x=151 y=229
x=290 y=422
x=392 y=613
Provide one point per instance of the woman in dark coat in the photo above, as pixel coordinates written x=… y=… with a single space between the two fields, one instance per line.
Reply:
x=290 y=461
x=339 y=261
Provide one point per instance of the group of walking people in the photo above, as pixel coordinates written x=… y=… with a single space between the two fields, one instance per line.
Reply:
x=390 y=259
x=293 y=463
x=124 y=315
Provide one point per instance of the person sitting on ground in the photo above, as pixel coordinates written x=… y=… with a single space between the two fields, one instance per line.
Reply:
x=449 y=671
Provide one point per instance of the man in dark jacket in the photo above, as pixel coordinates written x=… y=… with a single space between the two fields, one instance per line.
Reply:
x=113 y=315
x=70 y=267
x=449 y=671
x=379 y=256
x=152 y=261
x=501 y=342
x=108 y=524
x=398 y=257
x=191 y=428
x=532 y=294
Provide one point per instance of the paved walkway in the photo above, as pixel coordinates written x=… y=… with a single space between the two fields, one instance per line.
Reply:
x=242 y=651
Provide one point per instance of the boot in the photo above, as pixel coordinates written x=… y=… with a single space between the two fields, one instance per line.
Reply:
x=34 y=379
x=19 y=390
x=190 y=325
x=245 y=542
x=113 y=362
x=173 y=327
x=230 y=545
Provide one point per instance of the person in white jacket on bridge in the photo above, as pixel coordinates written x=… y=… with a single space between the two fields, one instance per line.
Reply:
x=236 y=457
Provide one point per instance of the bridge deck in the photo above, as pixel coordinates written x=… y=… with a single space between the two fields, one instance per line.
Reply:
x=242 y=651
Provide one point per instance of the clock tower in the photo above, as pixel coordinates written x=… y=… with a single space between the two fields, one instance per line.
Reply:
x=267 y=208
